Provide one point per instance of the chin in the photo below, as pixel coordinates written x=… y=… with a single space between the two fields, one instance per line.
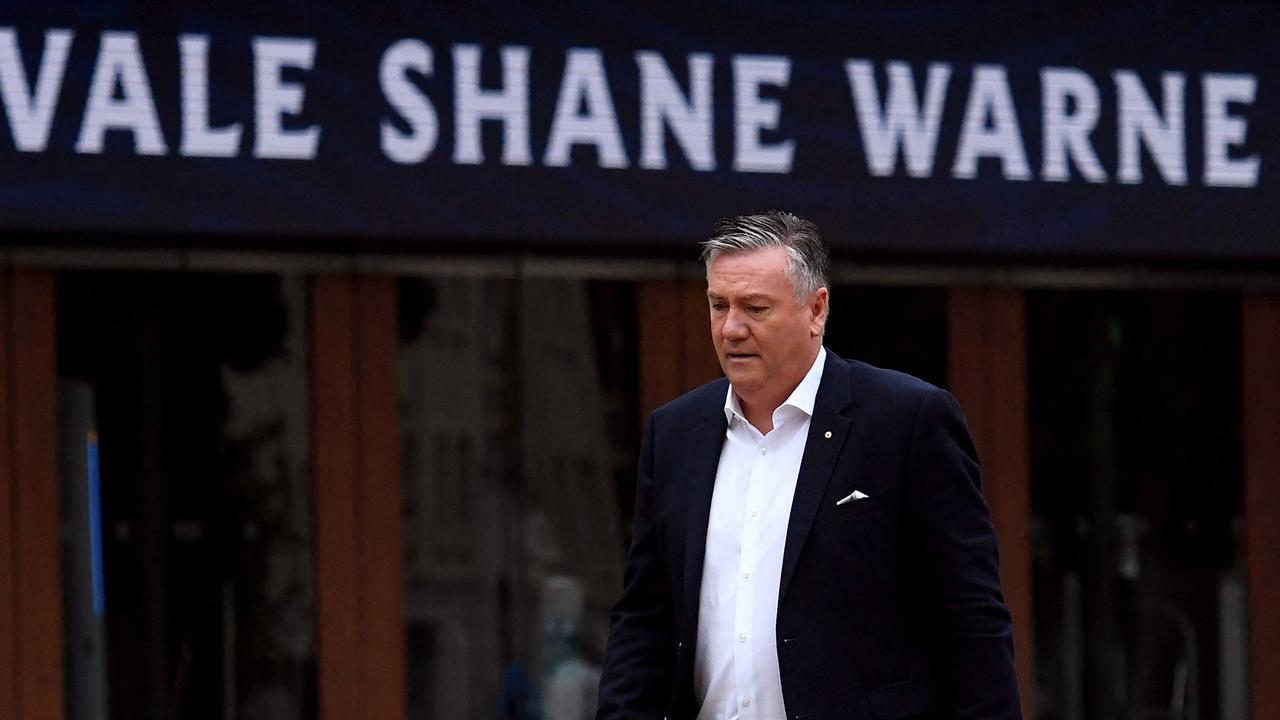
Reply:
x=743 y=382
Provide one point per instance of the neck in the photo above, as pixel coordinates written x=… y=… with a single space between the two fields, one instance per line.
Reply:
x=760 y=412
x=758 y=407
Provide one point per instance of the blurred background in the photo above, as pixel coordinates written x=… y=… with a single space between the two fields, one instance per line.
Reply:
x=327 y=332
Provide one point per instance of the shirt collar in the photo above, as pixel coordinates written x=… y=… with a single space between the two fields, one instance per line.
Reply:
x=802 y=398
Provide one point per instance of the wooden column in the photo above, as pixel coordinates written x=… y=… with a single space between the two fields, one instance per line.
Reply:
x=661 y=344
x=379 y=453
x=676 y=354
x=1260 y=377
x=8 y=557
x=359 y=575
x=700 y=363
x=988 y=372
x=338 y=612
x=30 y=582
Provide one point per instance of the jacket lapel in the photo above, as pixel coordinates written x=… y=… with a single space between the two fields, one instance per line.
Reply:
x=704 y=443
x=819 y=459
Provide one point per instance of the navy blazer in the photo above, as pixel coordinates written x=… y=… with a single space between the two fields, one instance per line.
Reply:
x=889 y=607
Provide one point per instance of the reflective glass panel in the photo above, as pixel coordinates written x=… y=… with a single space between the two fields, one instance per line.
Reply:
x=1136 y=498
x=186 y=496
x=520 y=438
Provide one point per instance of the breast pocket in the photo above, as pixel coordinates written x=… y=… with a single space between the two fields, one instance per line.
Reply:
x=855 y=508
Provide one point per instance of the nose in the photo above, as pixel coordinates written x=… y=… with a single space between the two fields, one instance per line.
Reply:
x=735 y=327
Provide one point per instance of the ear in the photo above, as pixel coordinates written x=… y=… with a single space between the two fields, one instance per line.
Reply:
x=817 y=307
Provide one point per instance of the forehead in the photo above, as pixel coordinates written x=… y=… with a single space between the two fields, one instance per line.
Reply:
x=762 y=271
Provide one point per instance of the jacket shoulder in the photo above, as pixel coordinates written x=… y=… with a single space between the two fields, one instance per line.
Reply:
x=890 y=381
x=890 y=390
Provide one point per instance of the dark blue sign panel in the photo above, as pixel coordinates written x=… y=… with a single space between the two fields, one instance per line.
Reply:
x=1139 y=132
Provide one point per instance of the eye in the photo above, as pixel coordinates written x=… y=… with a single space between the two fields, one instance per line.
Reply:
x=756 y=309
x=718 y=306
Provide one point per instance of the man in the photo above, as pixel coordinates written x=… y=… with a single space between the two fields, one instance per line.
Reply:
x=810 y=537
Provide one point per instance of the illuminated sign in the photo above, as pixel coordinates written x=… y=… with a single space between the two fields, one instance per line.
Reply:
x=627 y=125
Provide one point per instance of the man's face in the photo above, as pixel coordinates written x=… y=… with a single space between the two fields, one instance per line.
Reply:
x=765 y=338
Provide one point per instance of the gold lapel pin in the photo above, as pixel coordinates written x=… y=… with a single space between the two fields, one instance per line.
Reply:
x=827 y=435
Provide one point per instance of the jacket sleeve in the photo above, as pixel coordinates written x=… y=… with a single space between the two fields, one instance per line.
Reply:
x=639 y=663
x=956 y=546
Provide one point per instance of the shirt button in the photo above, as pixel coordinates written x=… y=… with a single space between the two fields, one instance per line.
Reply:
x=764 y=451
x=742 y=637
x=755 y=513
x=746 y=576
x=746 y=702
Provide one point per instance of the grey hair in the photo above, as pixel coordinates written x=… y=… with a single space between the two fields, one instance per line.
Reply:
x=809 y=260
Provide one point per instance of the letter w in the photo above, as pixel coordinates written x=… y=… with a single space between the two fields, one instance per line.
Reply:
x=900 y=121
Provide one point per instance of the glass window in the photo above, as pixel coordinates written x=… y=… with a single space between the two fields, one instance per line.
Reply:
x=187 y=503
x=1136 y=500
x=520 y=416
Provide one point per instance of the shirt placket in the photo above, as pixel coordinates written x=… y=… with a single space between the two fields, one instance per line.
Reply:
x=743 y=655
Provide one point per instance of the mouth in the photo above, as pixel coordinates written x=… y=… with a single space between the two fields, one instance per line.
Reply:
x=740 y=357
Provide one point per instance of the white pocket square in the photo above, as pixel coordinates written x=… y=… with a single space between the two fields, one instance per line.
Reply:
x=855 y=495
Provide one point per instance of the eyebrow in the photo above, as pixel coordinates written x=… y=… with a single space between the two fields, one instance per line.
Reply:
x=753 y=297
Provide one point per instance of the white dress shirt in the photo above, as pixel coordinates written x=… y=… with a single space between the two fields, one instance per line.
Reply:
x=736 y=674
